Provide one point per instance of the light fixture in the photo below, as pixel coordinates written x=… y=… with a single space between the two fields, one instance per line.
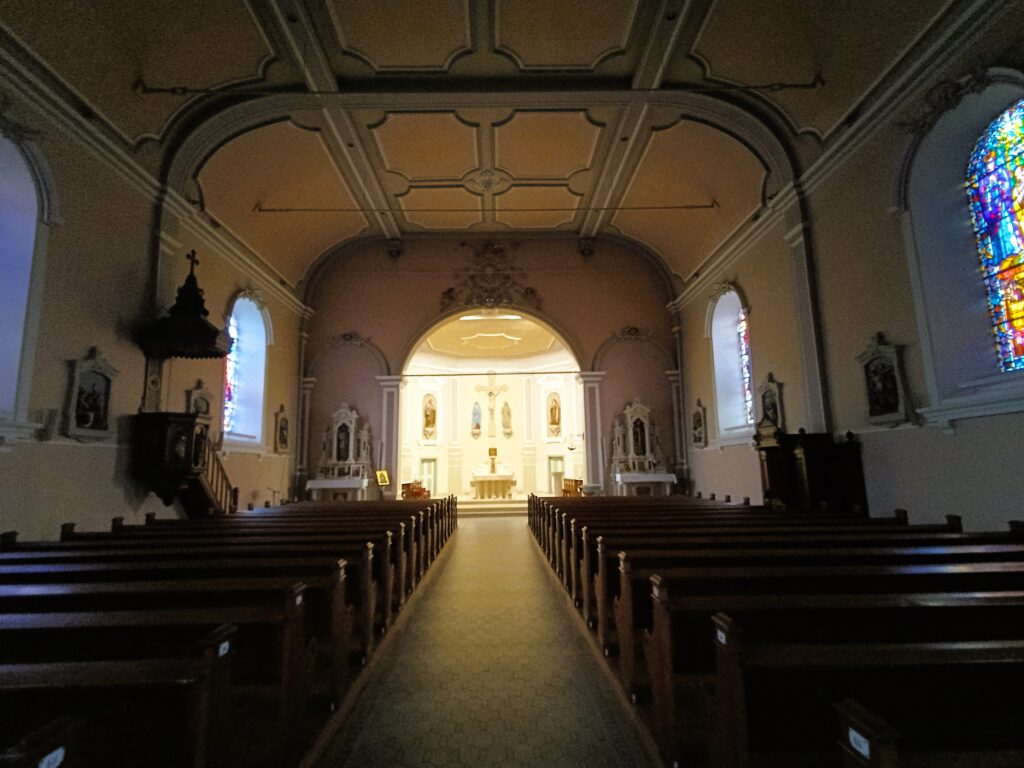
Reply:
x=491 y=317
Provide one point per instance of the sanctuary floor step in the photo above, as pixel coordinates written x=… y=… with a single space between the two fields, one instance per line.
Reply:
x=491 y=669
x=491 y=507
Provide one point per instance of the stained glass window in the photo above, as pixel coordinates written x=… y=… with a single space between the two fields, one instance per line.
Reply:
x=743 y=331
x=245 y=373
x=231 y=376
x=995 y=191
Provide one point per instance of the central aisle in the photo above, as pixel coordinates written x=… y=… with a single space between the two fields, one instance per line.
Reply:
x=489 y=671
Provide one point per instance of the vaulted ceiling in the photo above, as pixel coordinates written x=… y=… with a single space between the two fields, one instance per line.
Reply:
x=299 y=125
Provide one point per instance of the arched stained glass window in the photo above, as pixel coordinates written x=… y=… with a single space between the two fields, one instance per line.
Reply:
x=730 y=344
x=18 y=215
x=245 y=373
x=995 y=190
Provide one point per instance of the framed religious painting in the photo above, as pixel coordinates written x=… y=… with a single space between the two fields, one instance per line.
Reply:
x=769 y=396
x=698 y=425
x=884 y=384
x=87 y=415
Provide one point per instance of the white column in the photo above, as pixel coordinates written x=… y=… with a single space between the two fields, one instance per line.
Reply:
x=528 y=479
x=302 y=460
x=593 y=433
x=455 y=484
x=807 y=325
x=678 y=429
x=388 y=438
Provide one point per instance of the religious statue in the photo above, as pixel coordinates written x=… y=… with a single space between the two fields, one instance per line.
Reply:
x=554 y=415
x=492 y=391
x=619 y=443
x=475 y=429
x=364 y=444
x=639 y=438
x=343 y=439
x=429 y=417
x=506 y=419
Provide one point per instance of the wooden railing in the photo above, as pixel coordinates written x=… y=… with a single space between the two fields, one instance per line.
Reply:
x=223 y=495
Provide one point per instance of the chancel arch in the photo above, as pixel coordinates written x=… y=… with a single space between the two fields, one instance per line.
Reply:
x=491 y=407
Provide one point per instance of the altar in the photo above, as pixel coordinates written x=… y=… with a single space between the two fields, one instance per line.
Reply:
x=337 y=488
x=493 y=486
x=643 y=483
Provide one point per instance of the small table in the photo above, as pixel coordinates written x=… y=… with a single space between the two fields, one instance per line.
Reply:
x=495 y=486
x=626 y=483
x=316 y=488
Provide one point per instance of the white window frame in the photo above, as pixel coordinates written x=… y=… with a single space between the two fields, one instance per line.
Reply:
x=234 y=442
x=960 y=363
x=732 y=432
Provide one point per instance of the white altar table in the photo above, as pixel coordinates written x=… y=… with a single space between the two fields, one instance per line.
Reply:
x=492 y=486
x=320 y=489
x=626 y=483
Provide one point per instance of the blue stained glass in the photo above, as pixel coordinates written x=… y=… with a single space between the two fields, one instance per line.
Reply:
x=995 y=195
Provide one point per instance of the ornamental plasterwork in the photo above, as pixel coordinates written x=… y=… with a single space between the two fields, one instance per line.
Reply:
x=491 y=279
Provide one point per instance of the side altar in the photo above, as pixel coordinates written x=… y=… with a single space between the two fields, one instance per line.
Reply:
x=637 y=466
x=345 y=460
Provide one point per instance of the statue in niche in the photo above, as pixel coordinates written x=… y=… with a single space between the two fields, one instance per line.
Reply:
x=639 y=437
x=476 y=420
x=619 y=449
x=429 y=417
x=344 y=440
x=554 y=415
x=506 y=419
x=364 y=445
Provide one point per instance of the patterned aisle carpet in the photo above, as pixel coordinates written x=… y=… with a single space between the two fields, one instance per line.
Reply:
x=488 y=671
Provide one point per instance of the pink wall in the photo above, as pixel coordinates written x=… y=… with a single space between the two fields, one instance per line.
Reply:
x=394 y=302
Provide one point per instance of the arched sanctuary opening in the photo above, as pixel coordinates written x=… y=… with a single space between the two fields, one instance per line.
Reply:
x=491 y=407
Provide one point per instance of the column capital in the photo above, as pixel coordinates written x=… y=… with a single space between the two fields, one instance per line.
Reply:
x=674 y=377
x=390 y=381
x=308 y=382
x=592 y=377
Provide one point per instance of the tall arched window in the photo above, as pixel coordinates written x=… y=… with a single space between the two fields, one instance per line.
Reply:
x=245 y=372
x=730 y=344
x=19 y=213
x=995 y=191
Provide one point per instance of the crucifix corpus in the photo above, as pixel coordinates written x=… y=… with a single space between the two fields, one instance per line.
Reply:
x=492 y=391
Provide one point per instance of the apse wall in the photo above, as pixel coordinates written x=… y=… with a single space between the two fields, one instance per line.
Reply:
x=364 y=292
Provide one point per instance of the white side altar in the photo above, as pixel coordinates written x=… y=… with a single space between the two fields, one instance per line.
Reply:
x=337 y=488
x=636 y=456
x=345 y=460
x=629 y=483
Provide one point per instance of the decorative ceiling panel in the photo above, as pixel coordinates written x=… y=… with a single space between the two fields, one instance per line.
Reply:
x=563 y=34
x=281 y=167
x=422 y=35
x=526 y=207
x=850 y=45
x=546 y=144
x=431 y=145
x=690 y=164
x=103 y=48
x=441 y=207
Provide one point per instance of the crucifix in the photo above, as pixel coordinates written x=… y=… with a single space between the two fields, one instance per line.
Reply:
x=193 y=261
x=492 y=392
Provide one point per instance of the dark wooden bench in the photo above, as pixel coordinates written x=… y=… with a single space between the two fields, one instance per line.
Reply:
x=773 y=697
x=145 y=727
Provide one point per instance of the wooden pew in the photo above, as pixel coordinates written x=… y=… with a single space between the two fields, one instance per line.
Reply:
x=773 y=697
x=54 y=743
x=88 y=686
x=796 y=574
x=680 y=651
